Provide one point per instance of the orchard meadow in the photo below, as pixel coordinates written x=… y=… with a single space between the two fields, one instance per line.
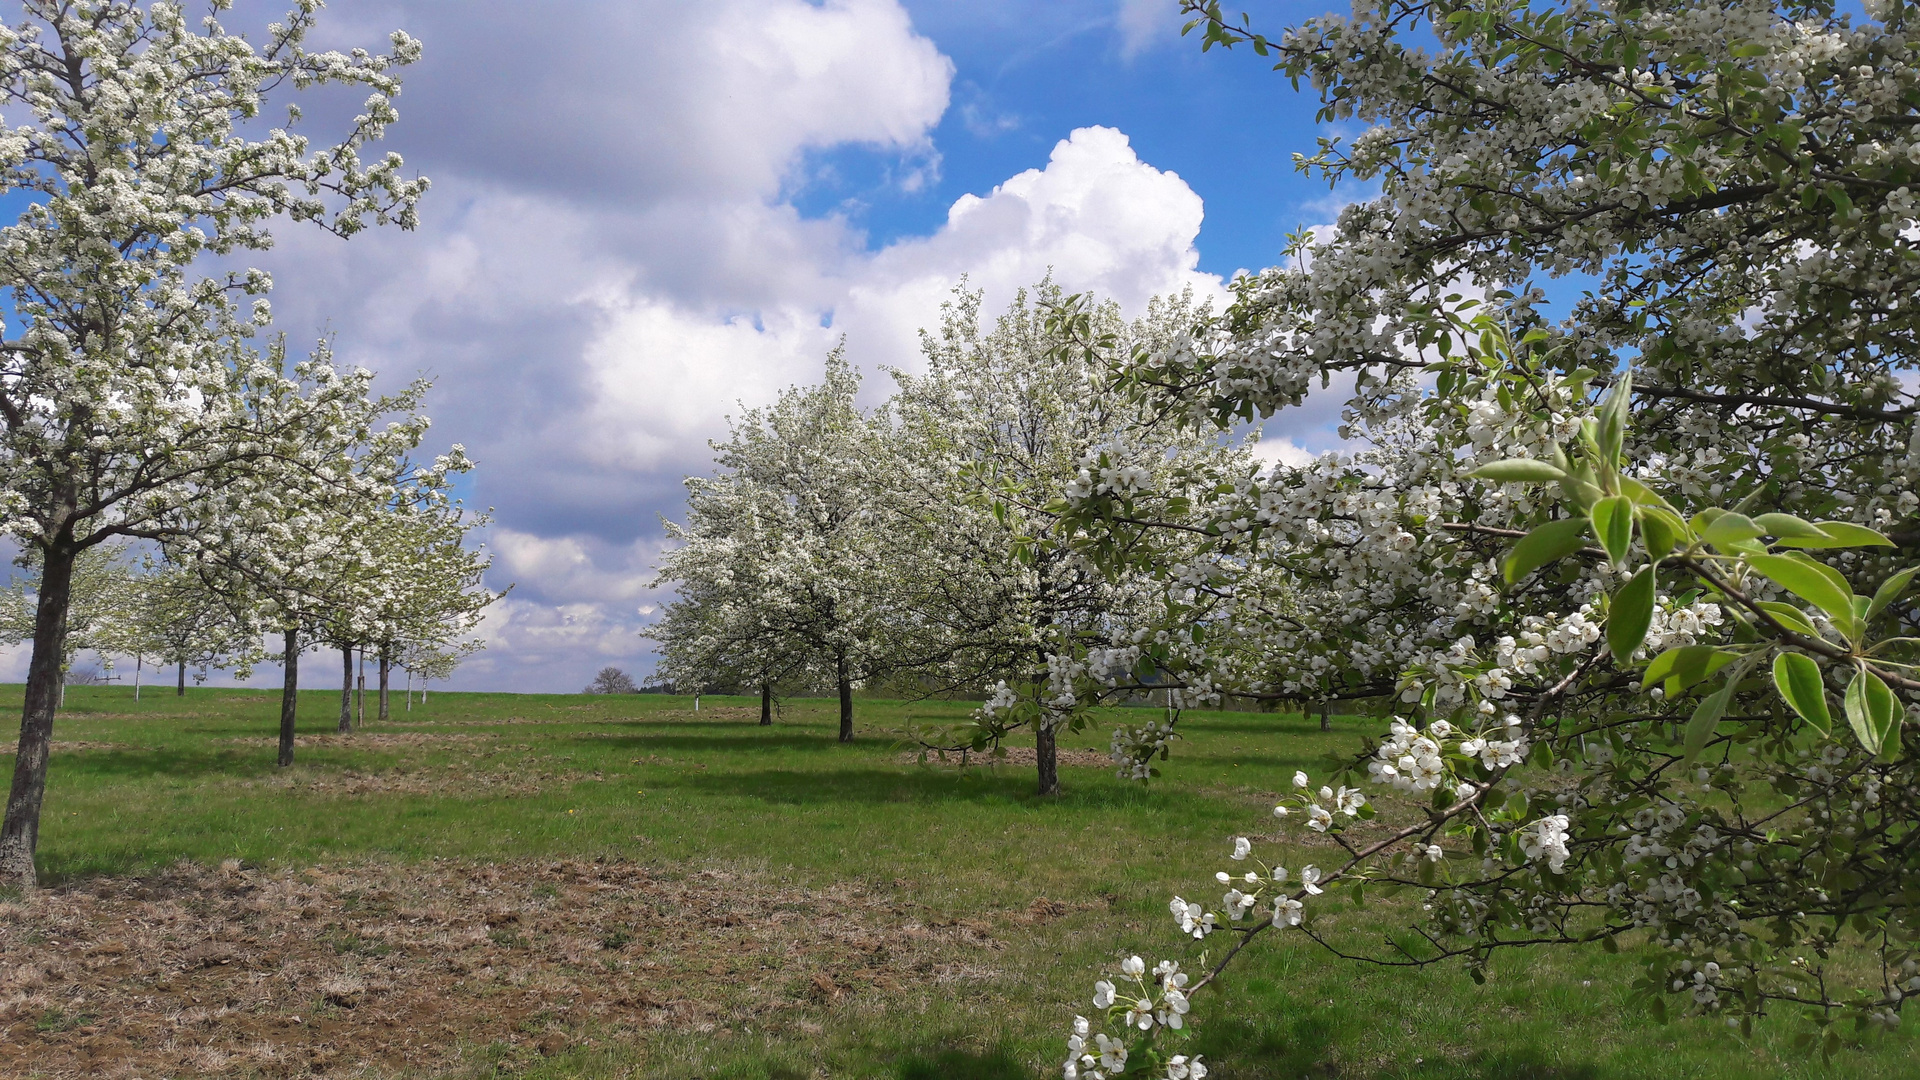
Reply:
x=560 y=886
x=1554 y=715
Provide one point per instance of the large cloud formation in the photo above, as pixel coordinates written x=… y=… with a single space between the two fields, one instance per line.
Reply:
x=612 y=260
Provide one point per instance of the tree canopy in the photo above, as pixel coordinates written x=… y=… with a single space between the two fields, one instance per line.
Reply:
x=1620 y=539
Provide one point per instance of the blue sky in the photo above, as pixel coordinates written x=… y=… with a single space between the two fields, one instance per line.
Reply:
x=647 y=214
x=1029 y=73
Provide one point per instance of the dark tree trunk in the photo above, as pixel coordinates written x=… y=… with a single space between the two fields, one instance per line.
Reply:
x=1326 y=715
x=20 y=835
x=360 y=691
x=346 y=689
x=289 y=695
x=766 y=703
x=386 y=670
x=1045 y=757
x=180 y=688
x=846 y=697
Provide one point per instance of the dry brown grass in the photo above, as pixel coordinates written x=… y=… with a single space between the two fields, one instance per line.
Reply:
x=61 y=746
x=1019 y=756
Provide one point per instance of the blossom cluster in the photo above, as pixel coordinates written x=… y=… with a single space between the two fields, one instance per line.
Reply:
x=1142 y=1001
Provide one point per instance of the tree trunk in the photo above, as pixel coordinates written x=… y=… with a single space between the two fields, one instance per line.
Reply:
x=289 y=695
x=766 y=703
x=360 y=691
x=386 y=669
x=137 y=661
x=846 y=697
x=346 y=689
x=1326 y=715
x=1045 y=757
x=409 y=689
x=20 y=834
x=181 y=689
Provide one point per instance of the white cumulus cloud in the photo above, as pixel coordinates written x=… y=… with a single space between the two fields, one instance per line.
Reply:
x=612 y=261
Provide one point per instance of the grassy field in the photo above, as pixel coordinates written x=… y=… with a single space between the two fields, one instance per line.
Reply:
x=569 y=886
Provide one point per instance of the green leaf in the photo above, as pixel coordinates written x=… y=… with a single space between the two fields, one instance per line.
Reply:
x=1662 y=530
x=1817 y=584
x=1661 y=666
x=1797 y=677
x=1519 y=470
x=1839 y=534
x=1685 y=666
x=1786 y=526
x=1630 y=615
x=1790 y=617
x=1613 y=524
x=1890 y=590
x=1641 y=494
x=1705 y=518
x=1730 y=529
x=1714 y=706
x=1706 y=717
x=1613 y=417
x=1871 y=711
x=1549 y=543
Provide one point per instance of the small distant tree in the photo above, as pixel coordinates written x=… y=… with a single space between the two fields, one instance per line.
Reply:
x=717 y=631
x=1007 y=416
x=88 y=675
x=777 y=571
x=431 y=590
x=426 y=661
x=102 y=600
x=611 y=680
x=310 y=568
x=174 y=618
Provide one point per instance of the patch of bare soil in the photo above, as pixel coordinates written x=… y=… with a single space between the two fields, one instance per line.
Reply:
x=454 y=779
x=567 y=716
x=1024 y=756
x=710 y=712
x=371 y=970
x=365 y=740
x=67 y=745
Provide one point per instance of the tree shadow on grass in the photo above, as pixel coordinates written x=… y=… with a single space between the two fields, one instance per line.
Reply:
x=910 y=785
x=1523 y=1063
x=671 y=737
x=237 y=761
x=1276 y=768
x=1305 y=1048
x=964 y=1065
x=1269 y=1051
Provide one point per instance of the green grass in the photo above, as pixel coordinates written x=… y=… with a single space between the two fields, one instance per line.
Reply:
x=194 y=779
